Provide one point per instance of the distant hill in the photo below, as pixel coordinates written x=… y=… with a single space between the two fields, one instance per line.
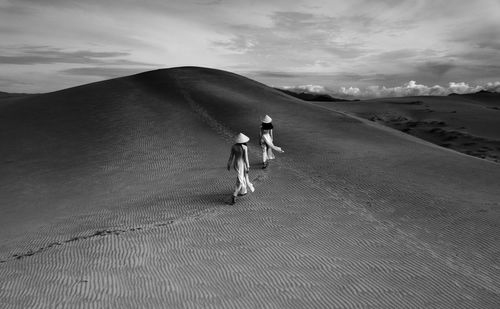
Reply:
x=307 y=96
x=482 y=93
x=10 y=95
x=491 y=99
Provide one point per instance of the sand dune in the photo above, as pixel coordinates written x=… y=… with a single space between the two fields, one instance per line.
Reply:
x=114 y=194
x=465 y=123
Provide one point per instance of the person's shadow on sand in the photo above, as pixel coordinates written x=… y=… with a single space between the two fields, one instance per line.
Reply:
x=214 y=198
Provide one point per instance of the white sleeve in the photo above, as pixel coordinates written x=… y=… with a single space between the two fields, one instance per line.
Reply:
x=269 y=143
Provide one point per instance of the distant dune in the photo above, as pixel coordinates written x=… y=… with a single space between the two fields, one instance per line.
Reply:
x=483 y=95
x=467 y=123
x=306 y=96
x=6 y=95
x=114 y=194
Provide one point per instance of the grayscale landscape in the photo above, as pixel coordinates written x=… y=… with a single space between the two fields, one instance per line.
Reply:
x=114 y=191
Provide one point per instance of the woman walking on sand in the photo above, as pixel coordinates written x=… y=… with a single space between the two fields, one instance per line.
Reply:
x=239 y=160
x=266 y=141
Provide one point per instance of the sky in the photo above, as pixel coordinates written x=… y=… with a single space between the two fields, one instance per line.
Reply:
x=360 y=48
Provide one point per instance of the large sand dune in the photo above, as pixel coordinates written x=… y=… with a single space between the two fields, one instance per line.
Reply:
x=114 y=194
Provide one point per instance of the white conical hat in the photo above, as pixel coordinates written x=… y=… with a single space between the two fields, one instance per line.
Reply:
x=241 y=138
x=267 y=119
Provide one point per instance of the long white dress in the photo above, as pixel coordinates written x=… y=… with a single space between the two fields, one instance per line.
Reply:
x=240 y=158
x=266 y=142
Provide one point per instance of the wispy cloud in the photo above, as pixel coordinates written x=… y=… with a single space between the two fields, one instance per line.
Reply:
x=273 y=74
x=29 y=55
x=104 y=72
x=7 y=83
x=208 y=2
x=297 y=40
x=239 y=44
x=437 y=68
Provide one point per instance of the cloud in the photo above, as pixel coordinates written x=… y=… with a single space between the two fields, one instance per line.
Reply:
x=495 y=45
x=29 y=55
x=409 y=89
x=350 y=92
x=462 y=88
x=306 y=88
x=412 y=88
x=104 y=72
x=274 y=74
x=437 y=68
x=208 y=2
x=6 y=83
x=332 y=35
x=289 y=36
x=12 y=9
x=398 y=54
x=238 y=44
x=482 y=34
x=43 y=3
x=492 y=86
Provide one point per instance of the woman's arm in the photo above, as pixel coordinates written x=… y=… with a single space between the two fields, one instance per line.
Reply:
x=270 y=144
x=247 y=163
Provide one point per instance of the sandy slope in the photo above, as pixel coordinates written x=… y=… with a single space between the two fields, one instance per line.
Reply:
x=113 y=195
x=466 y=123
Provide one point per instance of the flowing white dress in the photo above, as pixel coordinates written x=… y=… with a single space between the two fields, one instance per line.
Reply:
x=266 y=142
x=240 y=157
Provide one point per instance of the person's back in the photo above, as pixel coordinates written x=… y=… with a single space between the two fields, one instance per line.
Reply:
x=266 y=141
x=239 y=160
x=266 y=132
x=238 y=151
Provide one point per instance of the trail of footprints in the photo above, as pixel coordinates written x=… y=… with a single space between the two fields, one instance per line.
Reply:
x=99 y=233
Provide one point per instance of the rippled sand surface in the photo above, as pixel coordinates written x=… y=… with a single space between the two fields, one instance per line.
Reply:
x=114 y=195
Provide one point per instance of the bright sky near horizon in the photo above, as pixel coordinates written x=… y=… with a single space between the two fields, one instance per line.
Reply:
x=352 y=47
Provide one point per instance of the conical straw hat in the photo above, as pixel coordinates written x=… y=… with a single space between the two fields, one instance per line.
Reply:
x=241 y=138
x=267 y=119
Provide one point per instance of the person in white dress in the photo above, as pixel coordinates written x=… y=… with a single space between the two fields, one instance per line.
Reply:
x=238 y=159
x=266 y=141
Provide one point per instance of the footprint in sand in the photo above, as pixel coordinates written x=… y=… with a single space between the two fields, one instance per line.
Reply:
x=260 y=178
